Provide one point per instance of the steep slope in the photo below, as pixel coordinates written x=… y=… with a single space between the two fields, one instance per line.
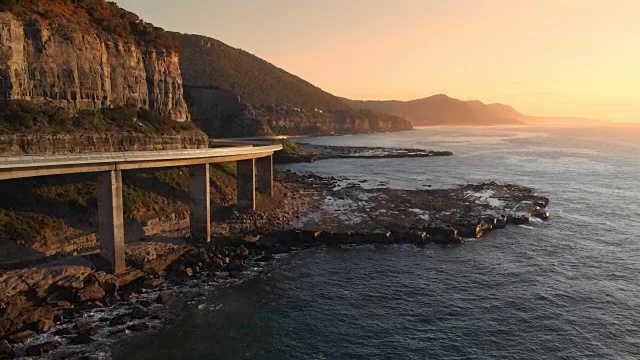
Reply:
x=231 y=92
x=443 y=110
x=87 y=54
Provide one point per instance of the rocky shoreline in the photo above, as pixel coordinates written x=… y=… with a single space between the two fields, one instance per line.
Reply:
x=310 y=153
x=50 y=307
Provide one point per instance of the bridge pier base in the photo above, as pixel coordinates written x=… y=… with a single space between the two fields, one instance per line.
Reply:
x=110 y=219
x=246 y=184
x=200 y=202
x=264 y=167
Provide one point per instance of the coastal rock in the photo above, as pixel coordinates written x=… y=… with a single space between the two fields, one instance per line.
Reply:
x=236 y=266
x=90 y=292
x=139 y=313
x=6 y=350
x=163 y=298
x=138 y=327
x=119 y=320
x=41 y=349
x=22 y=336
x=542 y=214
x=442 y=234
x=82 y=339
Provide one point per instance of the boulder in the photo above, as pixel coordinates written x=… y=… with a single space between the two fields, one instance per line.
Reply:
x=90 y=292
x=6 y=350
x=44 y=326
x=63 y=332
x=265 y=258
x=542 y=214
x=442 y=234
x=414 y=237
x=243 y=252
x=519 y=219
x=163 y=298
x=81 y=339
x=139 y=313
x=138 y=327
x=308 y=236
x=500 y=222
x=22 y=336
x=152 y=283
x=236 y=266
x=119 y=320
x=44 y=348
x=145 y=303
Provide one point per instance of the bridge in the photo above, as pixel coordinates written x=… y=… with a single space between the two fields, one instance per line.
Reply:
x=254 y=171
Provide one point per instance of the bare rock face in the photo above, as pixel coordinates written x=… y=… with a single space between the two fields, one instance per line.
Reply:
x=80 y=70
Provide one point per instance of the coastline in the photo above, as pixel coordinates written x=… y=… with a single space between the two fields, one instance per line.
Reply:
x=57 y=299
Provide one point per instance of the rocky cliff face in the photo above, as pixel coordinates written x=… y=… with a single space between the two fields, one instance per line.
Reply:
x=82 y=70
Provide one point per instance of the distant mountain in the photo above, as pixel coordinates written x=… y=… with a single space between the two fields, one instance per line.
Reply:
x=231 y=92
x=443 y=110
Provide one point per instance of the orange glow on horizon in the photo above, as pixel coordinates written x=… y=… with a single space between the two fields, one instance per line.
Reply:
x=567 y=58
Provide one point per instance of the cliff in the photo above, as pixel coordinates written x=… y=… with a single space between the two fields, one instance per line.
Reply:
x=443 y=110
x=76 y=66
x=231 y=92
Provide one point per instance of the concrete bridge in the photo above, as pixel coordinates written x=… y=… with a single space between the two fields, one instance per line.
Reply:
x=254 y=170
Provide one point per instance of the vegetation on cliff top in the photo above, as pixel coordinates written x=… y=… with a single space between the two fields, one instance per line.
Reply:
x=102 y=17
x=26 y=117
x=282 y=102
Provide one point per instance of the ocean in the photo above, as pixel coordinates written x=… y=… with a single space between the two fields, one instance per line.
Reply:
x=566 y=289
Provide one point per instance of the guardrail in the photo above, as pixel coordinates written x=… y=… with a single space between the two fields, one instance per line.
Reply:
x=59 y=159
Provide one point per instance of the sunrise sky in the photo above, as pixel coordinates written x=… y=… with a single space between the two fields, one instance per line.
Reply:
x=545 y=57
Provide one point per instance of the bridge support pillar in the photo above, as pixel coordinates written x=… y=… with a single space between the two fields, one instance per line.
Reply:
x=200 y=202
x=110 y=219
x=264 y=168
x=246 y=184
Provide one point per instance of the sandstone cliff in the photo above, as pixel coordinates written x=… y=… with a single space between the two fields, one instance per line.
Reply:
x=86 y=70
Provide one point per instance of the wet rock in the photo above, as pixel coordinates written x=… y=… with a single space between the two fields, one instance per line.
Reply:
x=308 y=236
x=85 y=328
x=379 y=238
x=243 y=252
x=500 y=222
x=163 y=298
x=22 y=336
x=44 y=326
x=152 y=283
x=63 y=332
x=265 y=258
x=280 y=249
x=542 y=214
x=138 y=327
x=119 y=320
x=414 y=237
x=6 y=350
x=145 y=303
x=90 y=292
x=236 y=266
x=519 y=219
x=442 y=234
x=186 y=272
x=139 y=313
x=41 y=349
x=82 y=339
x=541 y=203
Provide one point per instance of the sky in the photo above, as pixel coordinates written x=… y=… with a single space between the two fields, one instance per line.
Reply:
x=571 y=58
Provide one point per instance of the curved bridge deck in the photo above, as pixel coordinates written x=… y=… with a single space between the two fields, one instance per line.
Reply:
x=254 y=171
